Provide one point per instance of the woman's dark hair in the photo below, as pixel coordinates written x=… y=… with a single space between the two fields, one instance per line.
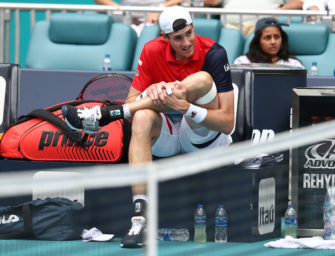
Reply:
x=256 y=55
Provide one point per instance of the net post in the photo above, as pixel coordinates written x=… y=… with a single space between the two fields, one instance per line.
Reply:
x=151 y=240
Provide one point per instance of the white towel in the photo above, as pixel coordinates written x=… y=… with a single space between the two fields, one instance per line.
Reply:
x=95 y=235
x=315 y=242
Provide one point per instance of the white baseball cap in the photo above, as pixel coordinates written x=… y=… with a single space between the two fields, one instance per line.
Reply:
x=170 y=15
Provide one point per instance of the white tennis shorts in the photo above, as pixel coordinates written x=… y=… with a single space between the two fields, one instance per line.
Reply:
x=177 y=137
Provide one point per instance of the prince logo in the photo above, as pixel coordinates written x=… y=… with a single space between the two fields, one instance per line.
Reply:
x=54 y=139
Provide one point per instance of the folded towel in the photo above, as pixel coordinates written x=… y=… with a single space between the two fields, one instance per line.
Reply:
x=316 y=242
x=96 y=235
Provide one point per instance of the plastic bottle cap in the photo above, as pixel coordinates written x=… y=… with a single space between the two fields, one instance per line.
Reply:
x=221 y=205
x=290 y=205
x=200 y=205
x=314 y=63
x=107 y=55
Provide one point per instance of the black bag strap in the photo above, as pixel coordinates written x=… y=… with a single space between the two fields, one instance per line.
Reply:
x=27 y=117
x=55 y=120
x=28 y=220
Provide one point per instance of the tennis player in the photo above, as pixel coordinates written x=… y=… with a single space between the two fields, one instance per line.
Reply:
x=178 y=72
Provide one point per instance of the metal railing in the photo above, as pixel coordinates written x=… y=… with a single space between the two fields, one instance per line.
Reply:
x=123 y=14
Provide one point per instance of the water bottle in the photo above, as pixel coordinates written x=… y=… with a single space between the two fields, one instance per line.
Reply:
x=314 y=69
x=200 y=224
x=107 y=64
x=172 y=234
x=221 y=224
x=291 y=222
x=327 y=231
x=328 y=215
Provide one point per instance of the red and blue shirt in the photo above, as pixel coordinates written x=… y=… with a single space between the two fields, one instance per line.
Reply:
x=157 y=63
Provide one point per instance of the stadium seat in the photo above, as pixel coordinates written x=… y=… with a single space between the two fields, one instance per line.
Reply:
x=292 y=19
x=147 y=34
x=207 y=27
x=313 y=43
x=80 y=41
x=247 y=42
x=309 y=42
x=233 y=41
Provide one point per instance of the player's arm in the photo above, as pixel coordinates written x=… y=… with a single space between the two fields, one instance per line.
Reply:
x=220 y=115
x=143 y=81
x=132 y=94
x=292 y=5
x=107 y=2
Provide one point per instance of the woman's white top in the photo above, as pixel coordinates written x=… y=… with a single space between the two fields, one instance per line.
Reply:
x=243 y=59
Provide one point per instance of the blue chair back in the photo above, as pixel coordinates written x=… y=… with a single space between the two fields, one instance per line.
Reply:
x=247 y=42
x=233 y=41
x=147 y=34
x=313 y=42
x=80 y=41
x=293 y=19
x=208 y=28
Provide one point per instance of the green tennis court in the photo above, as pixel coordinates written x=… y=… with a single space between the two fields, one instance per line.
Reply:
x=166 y=248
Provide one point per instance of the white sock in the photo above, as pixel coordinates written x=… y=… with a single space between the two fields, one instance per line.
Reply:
x=143 y=197
x=126 y=112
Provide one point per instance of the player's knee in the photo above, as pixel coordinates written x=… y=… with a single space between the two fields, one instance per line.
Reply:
x=205 y=80
x=199 y=86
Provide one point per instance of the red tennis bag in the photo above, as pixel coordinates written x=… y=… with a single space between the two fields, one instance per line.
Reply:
x=43 y=135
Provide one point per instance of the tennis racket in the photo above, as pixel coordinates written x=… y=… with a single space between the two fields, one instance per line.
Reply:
x=112 y=87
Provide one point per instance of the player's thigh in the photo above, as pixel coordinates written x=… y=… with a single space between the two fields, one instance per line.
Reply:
x=167 y=144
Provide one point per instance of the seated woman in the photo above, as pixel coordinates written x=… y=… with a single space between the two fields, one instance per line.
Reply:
x=269 y=45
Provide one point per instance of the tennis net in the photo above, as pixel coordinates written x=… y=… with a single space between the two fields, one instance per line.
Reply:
x=175 y=186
